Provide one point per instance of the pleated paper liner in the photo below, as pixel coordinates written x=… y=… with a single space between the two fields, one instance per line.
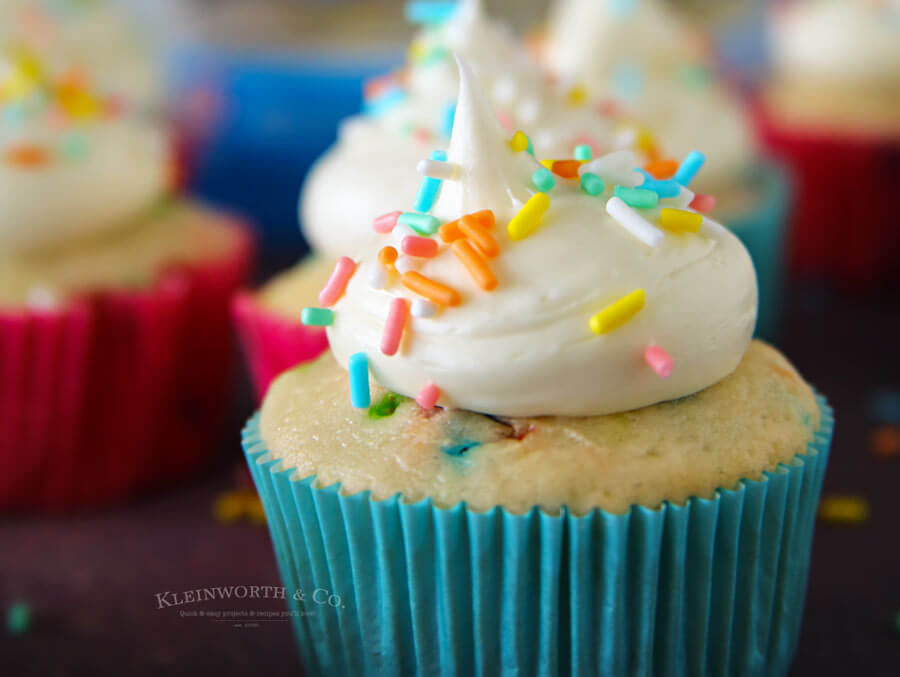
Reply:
x=272 y=344
x=111 y=394
x=713 y=587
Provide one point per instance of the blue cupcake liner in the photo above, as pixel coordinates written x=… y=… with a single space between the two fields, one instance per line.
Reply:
x=762 y=229
x=712 y=587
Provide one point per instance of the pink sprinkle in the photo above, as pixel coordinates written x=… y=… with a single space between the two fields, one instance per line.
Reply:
x=505 y=122
x=422 y=135
x=659 y=361
x=428 y=396
x=393 y=328
x=420 y=247
x=385 y=224
x=703 y=203
x=337 y=283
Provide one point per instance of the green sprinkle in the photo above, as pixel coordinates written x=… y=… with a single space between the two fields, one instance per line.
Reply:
x=543 y=179
x=423 y=224
x=317 y=317
x=583 y=152
x=530 y=149
x=386 y=406
x=18 y=618
x=592 y=184
x=637 y=197
x=74 y=146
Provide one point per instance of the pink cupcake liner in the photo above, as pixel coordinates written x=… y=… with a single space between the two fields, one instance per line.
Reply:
x=272 y=344
x=118 y=391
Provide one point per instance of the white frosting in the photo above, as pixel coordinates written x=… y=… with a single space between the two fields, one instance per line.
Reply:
x=640 y=53
x=373 y=163
x=855 y=41
x=526 y=348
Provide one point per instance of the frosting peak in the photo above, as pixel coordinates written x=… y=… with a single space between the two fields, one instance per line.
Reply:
x=579 y=314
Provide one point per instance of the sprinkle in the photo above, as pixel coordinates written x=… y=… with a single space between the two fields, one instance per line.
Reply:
x=583 y=152
x=615 y=168
x=577 y=96
x=484 y=242
x=543 y=179
x=627 y=81
x=450 y=232
x=679 y=220
x=885 y=441
x=27 y=156
x=883 y=406
x=667 y=188
x=477 y=266
x=689 y=167
x=431 y=13
x=528 y=220
x=428 y=396
x=423 y=224
x=404 y=264
x=386 y=406
x=568 y=169
x=592 y=184
x=420 y=247
x=634 y=223
x=662 y=169
x=385 y=224
x=446 y=171
x=659 y=361
x=377 y=277
x=703 y=203
x=618 y=313
x=847 y=510
x=375 y=87
x=18 y=617
x=398 y=313
x=647 y=144
x=73 y=146
x=334 y=288
x=505 y=121
x=519 y=142
x=387 y=255
x=637 y=197
x=431 y=290
x=625 y=138
x=358 y=370
x=229 y=507
x=254 y=511
x=447 y=120
x=422 y=308
x=385 y=102
x=429 y=187
x=317 y=317
x=547 y=164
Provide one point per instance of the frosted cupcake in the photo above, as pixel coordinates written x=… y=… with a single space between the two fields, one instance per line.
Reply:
x=639 y=57
x=408 y=117
x=832 y=110
x=573 y=459
x=113 y=297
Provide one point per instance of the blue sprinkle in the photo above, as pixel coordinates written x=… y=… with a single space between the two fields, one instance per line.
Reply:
x=884 y=406
x=689 y=167
x=667 y=188
x=431 y=13
x=429 y=187
x=358 y=368
x=628 y=81
x=439 y=156
x=382 y=104
x=448 y=119
x=460 y=449
x=622 y=8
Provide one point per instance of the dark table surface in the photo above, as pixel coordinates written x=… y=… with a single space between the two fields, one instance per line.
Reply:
x=92 y=581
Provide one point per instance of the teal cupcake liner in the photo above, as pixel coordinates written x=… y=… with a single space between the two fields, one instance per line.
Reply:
x=383 y=587
x=762 y=229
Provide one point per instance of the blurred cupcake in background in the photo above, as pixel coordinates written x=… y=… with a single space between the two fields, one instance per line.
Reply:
x=642 y=63
x=114 y=341
x=408 y=115
x=831 y=108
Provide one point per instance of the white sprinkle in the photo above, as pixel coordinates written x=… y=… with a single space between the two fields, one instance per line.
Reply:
x=634 y=223
x=377 y=276
x=447 y=171
x=504 y=90
x=41 y=298
x=404 y=264
x=681 y=201
x=422 y=308
x=615 y=168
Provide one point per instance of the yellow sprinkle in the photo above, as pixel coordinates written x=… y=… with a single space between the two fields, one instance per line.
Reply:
x=647 y=144
x=416 y=51
x=78 y=104
x=255 y=512
x=618 y=313
x=844 y=510
x=680 y=220
x=548 y=164
x=229 y=507
x=529 y=217
x=519 y=142
x=577 y=96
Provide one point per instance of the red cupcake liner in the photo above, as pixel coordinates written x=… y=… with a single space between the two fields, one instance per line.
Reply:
x=844 y=223
x=272 y=344
x=116 y=392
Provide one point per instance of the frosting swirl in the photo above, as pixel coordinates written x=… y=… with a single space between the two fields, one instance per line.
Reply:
x=531 y=345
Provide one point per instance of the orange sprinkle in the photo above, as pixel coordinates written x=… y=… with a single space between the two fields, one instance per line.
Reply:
x=885 y=441
x=450 y=232
x=431 y=290
x=567 y=169
x=483 y=240
x=477 y=266
x=484 y=218
x=387 y=255
x=662 y=169
x=27 y=156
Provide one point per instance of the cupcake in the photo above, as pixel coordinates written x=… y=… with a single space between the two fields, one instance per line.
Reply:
x=408 y=116
x=640 y=58
x=114 y=347
x=575 y=461
x=831 y=108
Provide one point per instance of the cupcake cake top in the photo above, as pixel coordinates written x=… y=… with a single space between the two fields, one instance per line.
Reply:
x=74 y=162
x=523 y=286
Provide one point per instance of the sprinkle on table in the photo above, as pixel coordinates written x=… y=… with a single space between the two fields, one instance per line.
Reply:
x=317 y=317
x=337 y=283
x=885 y=441
x=18 y=618
x=358 y=371
x=618 y=313
x=398 y=314
x=680 y=220
x=529 y=218
x=845 y=510
x=432 y=290
x=634 y=223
